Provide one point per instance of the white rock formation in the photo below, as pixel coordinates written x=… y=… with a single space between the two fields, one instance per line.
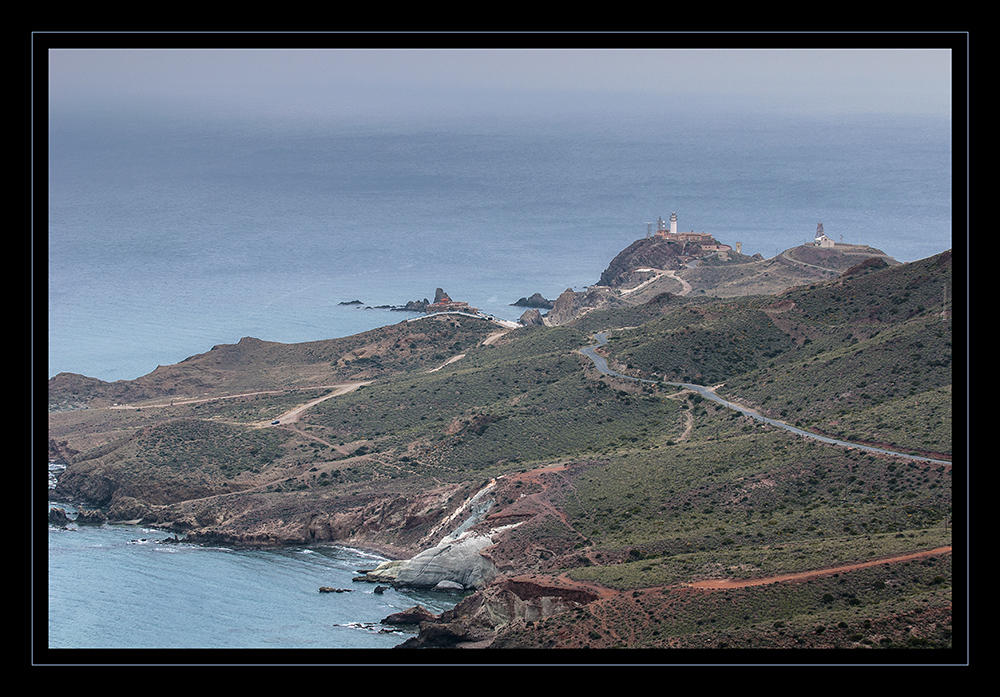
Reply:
x=458 y=561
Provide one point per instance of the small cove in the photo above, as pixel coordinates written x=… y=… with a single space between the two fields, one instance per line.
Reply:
x=124 y=587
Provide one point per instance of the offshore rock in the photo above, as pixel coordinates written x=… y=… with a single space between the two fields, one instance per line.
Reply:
x=535 y=300
x=415 y=615
x=57 y=516
x=416 y=306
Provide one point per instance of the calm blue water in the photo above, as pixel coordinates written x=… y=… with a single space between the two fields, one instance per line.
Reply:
x=168 y=236
x=116 y=587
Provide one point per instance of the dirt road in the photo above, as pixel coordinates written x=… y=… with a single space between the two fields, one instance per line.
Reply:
x=685 y=286
x=290 y=417
x=447 y=362
x=815 y=573
x=563 y=580
x=340 y=389
x=492 y=338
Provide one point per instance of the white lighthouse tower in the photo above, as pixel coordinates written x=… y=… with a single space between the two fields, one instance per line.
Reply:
x=673 y=223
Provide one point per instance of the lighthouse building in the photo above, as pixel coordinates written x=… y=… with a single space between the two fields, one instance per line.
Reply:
x=821 y=239
x=703 y=239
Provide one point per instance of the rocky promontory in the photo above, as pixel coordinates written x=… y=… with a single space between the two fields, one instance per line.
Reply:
x=452 y=564
x=648 y=252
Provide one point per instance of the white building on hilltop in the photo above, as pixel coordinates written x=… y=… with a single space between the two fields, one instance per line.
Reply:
x=821 y=239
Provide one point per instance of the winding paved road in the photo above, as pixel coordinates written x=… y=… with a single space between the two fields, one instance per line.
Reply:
x=709 y=393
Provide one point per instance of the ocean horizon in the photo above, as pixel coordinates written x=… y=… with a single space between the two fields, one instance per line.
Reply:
x=170 y=233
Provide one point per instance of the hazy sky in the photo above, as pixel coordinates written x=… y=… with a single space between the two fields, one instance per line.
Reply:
x=353 y=81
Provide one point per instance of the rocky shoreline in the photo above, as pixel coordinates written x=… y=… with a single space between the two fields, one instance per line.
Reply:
x=478 y=620
x=475 y=559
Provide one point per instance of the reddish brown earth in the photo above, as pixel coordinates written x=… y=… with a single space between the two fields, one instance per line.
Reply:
x=531 y=581
x=539 y=503
x=806 y=575
x=562 y=582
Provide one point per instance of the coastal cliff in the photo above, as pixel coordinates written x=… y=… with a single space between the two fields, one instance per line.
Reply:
x=457 y=564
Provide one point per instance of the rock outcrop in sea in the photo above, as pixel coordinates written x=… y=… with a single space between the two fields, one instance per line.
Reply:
x=536 y=300
x=58 y=517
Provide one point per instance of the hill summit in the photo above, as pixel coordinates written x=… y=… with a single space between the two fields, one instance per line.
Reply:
x=648 y=254
x=655 y=265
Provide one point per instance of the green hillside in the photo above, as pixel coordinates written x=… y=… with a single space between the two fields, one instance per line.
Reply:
x=525 y=401
x=867 y=357
x=656 y=485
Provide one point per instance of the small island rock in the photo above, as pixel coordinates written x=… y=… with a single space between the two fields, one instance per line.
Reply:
x=415 y=615
x=535 y=300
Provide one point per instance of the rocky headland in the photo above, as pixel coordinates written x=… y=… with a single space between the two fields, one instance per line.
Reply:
x=653 y=266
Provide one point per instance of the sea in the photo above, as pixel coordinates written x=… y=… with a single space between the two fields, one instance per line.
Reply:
x=170 y=233
x=124 y=587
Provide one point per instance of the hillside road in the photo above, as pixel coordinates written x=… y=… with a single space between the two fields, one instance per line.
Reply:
x=709 y=393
